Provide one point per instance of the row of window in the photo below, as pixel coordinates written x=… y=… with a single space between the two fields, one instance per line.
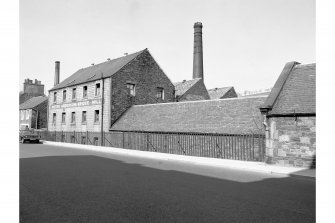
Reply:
x=73 y=117
x=25 y=114
x=159 y=91
x=74 y=93
x=131 y=87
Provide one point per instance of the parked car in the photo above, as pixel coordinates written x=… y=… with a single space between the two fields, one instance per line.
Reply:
x=29 y=135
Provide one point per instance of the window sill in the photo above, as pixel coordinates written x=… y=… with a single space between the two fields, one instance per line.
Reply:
x=96 y=123
x=63 y=123
x=73 y=124
x=84 y=123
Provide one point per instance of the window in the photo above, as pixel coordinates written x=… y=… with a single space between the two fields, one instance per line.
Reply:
x=55 y=97
x=97 y=89
x=85 y=92
x=96 y=141
x=160 y=93
x=131 y=88
x=63 y=118
x=64 y=95
x=74 y=93
x=22 y=114
x=54 y=118
x=73 y=117
x=83 y=118
x=27 y=114
x=96 y=116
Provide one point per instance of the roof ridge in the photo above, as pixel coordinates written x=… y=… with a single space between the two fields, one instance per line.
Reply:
x=199 y=101
x=108 y=61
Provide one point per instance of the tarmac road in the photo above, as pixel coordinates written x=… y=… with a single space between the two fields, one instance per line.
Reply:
x=59 y=184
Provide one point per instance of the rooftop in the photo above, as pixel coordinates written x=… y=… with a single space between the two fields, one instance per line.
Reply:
x=225 y=116
x=98 y=71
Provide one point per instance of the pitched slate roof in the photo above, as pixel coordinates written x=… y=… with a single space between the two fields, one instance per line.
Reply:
x=294 y=91
x=230 y=116
x=258 y=94
x=33 y=102
x=182 y=87
x=92 y=73
x=217 y=93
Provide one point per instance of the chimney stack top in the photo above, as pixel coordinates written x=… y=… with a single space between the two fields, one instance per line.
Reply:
x=197 y=24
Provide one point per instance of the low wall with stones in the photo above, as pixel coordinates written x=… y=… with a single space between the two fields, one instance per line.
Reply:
x=291 y=141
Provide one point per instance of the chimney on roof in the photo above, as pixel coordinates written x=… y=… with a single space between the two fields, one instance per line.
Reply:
x=126 y=54
x=57 y=64
x=184 y=81
x=108 y=59
x=92 y=64
x=198 y=71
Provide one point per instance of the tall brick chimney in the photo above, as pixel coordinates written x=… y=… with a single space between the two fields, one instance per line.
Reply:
x=198 y=71
x=57 y=63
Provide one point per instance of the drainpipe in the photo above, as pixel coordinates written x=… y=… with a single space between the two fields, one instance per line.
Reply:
x=102 y=110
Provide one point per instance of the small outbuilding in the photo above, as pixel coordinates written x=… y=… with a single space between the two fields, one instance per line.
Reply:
x=290 y=117
x=33 y=113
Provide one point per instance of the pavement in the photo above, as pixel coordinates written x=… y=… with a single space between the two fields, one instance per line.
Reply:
x=300 y=172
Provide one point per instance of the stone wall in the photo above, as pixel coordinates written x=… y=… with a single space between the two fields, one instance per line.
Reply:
x=291 y=141
x=147 y=76
x=64 y=106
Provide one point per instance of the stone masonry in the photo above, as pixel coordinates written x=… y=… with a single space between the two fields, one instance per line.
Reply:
x=291 y=141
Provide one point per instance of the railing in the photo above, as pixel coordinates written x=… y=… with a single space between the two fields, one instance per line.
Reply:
x=248 y=147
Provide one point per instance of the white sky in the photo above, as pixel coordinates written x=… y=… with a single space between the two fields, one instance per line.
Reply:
x=246 y=43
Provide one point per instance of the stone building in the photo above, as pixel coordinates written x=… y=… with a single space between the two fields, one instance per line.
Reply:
x=93 y=98
x=33 y=113
x=290 y=117
x=221 y=93
x=191 y=90
x=31 y=89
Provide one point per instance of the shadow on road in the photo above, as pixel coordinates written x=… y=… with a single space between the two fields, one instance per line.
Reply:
x=97 y=189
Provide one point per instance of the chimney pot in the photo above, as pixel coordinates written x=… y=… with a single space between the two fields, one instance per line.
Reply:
x=184 y=81
x=92 y=64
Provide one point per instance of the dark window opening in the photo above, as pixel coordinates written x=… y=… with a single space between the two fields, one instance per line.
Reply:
x=74 y=90
x=131 y=89
x=96 y=116
x=85 y=92
x=97 y=89
x=160 y=93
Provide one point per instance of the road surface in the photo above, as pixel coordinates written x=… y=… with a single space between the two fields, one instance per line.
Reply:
x=59 y=184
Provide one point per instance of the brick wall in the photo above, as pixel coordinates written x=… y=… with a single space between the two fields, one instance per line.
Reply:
x=291 y=141
x=196 y=92
x=90 y=125
x=147 y=76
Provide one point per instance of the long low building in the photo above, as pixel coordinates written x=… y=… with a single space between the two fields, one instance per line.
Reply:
x=227 y=116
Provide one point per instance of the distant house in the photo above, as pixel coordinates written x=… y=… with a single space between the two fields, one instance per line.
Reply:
x=191 y=90
x=290 y=117
x=221 y=93
x=33 y=113
x=229 y=116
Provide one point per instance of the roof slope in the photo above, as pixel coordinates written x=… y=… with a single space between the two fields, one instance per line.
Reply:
x=296 y=92
x=33 y=102
x=94 y=72
x=230 y=116
x=182 y=87
x=217 y=93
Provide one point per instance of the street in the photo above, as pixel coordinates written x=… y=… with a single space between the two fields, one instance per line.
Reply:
x=59 y=184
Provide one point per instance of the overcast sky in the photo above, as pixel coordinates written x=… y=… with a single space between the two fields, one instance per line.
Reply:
x=246 y=43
